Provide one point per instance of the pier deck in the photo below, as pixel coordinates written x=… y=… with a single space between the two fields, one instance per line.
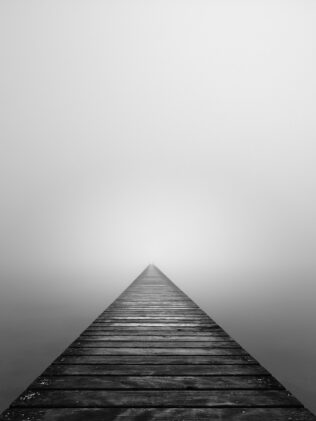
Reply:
x=155 y=355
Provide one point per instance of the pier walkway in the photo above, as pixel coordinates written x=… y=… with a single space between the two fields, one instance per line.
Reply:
x=155 y=355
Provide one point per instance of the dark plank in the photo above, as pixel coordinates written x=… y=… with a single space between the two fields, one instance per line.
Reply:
x=151 y=319
x=147 y=339
x=164 y=318
x=152 y=359
x=155 y=332
x=158 y=309
x=163 y=303
x=155 y=351
x=175 y=334
x=155 y=382
x=153 y=344
x=161 y=398
x=165 y=328
x=235 y=368
x=158 y=414
x=119 y=325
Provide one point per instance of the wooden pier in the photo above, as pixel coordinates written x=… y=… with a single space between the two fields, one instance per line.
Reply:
x=155 y=355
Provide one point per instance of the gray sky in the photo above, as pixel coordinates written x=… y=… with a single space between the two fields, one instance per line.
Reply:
x=175 y=132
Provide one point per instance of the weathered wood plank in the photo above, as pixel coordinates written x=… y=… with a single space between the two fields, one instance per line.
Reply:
x=155 y=332
x=151 y=319
x=148 y=324
x=153 y=359
x=147 y=339
x=154 y=321
x=169 y=329
x=152 y=344
x=153 y=313
x=157 y=338
x=157 y=311
x=237 y=367
x=155 y=351
x=158 y=414
x=155 y=382
x=170 y=398
x=176 y=334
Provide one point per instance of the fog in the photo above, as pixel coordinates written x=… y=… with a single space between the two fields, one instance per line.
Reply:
x=175 y=132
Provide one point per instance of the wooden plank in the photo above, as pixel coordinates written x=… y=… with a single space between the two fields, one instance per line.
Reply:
x=161 y=398
x=148 y=324
x=236 y=367
x=157 y=311
x=176 y=334
x=155 y=329
x=156 y=332
x=154 y=320
x=151 y=318
x=156 y=338
x=155 y=382
x=166 y=315
x=152 y=344
x=155 y=351
x=157 y=307
x=153 y=359
x=158 y=414
x=155 y=300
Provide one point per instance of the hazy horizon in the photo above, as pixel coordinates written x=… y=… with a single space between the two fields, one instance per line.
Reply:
x=174 y=132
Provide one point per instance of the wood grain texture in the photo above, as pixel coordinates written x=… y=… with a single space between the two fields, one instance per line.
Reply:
x=152 y=344
x=147 y=339
x=161 y=398
x=169 y=360
x=155 y=370
x=154 y=351
x=158 y=414
x=153 y=354
x=156 y=382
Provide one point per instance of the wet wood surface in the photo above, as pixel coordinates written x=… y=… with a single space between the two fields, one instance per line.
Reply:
x=153 y=354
